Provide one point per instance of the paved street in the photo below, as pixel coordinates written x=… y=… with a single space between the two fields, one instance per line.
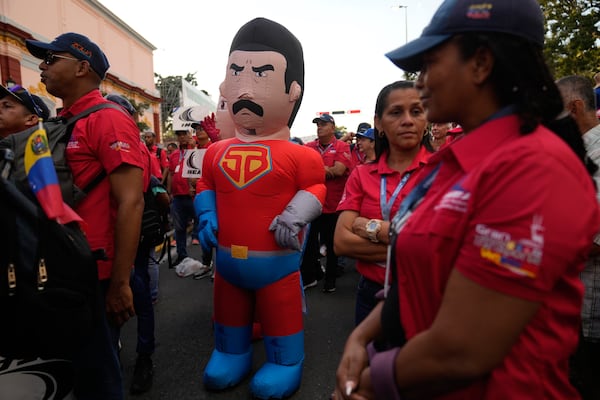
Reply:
x=185 y=339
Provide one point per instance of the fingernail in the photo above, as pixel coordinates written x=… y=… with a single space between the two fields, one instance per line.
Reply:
x=349 y=387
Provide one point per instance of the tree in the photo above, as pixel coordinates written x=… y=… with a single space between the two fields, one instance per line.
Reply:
x=572 y=36
x=170 y=93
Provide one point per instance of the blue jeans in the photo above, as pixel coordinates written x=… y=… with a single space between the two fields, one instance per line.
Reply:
x=153 y=271
x=182 y=211
x=97 y=368
x=365 y=298
x=142 y=301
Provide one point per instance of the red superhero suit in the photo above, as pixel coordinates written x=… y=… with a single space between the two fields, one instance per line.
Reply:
x=257 y=193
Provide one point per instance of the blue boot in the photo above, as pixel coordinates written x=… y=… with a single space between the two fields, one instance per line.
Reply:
x=226 y=370
x=231 y=360
x=281 y=375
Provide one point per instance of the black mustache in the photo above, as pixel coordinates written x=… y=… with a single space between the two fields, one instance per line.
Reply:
x=250 y=105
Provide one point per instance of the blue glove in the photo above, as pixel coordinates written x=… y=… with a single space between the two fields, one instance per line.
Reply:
x=205 y=204
x=301 y=210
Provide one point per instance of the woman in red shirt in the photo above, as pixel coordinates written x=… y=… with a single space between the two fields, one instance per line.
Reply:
x=487 y=296
x=374 y=190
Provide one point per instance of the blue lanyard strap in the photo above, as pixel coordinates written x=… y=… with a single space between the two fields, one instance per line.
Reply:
x=386 y=206
x=411 y=201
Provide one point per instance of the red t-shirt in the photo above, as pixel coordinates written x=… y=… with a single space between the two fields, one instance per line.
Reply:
x=179 y=185
x=104 y=140
x=158 y=162
x=363 y=195
x=516 y=214
x=334 y=151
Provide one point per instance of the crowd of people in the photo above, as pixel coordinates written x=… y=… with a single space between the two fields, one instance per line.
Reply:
x=474 y=282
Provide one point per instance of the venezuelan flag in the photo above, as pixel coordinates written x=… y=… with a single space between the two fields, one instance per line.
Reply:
x=43 y=179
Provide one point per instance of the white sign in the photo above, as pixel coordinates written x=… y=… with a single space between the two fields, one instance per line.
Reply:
x=192 y=163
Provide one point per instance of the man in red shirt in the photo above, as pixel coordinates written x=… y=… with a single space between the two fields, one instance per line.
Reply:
x=106 y=141
x=19 y=110
x=160 y=161
x=336 y=157
x=182 y=191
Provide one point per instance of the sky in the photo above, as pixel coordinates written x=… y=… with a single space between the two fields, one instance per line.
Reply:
x=344 y=43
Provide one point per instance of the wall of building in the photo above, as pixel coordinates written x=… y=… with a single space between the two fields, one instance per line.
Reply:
x=130 y=56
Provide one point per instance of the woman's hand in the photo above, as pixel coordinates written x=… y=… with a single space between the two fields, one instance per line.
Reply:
x=351 y=370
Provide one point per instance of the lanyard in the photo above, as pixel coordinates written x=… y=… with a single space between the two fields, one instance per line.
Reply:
x=411 y=201
x=324 y=150
x=386 y=206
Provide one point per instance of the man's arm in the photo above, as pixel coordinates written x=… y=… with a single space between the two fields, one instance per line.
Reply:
x=126 y=185
x=338 y=169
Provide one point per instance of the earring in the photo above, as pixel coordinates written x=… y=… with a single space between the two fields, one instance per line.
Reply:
x=381 y=134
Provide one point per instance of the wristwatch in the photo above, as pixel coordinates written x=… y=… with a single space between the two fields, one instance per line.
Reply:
x=373 y=227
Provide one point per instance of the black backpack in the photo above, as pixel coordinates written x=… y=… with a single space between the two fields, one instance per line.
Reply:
x=155 y=222
x=49 y=299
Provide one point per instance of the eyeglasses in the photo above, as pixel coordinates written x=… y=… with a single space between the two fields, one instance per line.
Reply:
x=51 y=58
x=20 y=91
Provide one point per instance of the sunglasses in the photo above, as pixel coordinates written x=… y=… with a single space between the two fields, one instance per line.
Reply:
x=51 y=58
x=20 y=91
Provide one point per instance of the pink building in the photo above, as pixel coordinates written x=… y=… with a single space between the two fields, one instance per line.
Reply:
x=131 y=70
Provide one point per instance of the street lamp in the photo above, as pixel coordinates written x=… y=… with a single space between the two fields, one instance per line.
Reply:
x=405 y=21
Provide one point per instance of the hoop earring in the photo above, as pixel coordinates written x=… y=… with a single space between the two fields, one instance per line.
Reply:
x=381 y=134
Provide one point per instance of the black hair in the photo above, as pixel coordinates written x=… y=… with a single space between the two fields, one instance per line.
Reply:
x=527 y=84
x=381 y=142
x=262 y=34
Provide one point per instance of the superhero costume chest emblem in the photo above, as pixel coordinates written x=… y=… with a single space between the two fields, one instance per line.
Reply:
x=244 y=164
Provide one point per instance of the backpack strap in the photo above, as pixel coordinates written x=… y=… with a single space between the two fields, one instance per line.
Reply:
x=71 y=122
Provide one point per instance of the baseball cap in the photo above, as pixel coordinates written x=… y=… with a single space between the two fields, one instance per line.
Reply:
x=369 y=134
x=79 y=46
x=122 y=101
x=324 y=118
x=363 y=126
x=33 y=103
x=197 y=125
x=522 y=18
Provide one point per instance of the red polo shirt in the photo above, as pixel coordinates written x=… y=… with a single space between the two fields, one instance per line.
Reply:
x=516 y=214
x=179 y=185
x=363 y=192
x=105 y=140
x=158 y=162
x=334 y=151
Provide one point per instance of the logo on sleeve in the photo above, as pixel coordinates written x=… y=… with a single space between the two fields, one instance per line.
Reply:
x=244 y=164
x=521 y=256
x=456 y=199
x=120 y=146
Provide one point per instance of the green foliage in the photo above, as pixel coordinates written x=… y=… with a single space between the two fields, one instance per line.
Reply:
x=170 y=93
x=572 y=36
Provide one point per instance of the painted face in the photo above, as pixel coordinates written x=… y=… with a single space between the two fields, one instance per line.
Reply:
x=223 y=120
x=444 y=83
x=403 y=119
x=14 y=116
x=255 y=91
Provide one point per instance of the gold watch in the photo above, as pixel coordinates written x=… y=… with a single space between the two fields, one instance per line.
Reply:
x=373 y=227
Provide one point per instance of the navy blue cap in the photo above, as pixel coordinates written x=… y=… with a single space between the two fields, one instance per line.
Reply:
x=33 y=103
x=522 y=18
x=77 y=45
x=369 y=134
x=122 y=101
x=324 y=118
x=362 y=127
